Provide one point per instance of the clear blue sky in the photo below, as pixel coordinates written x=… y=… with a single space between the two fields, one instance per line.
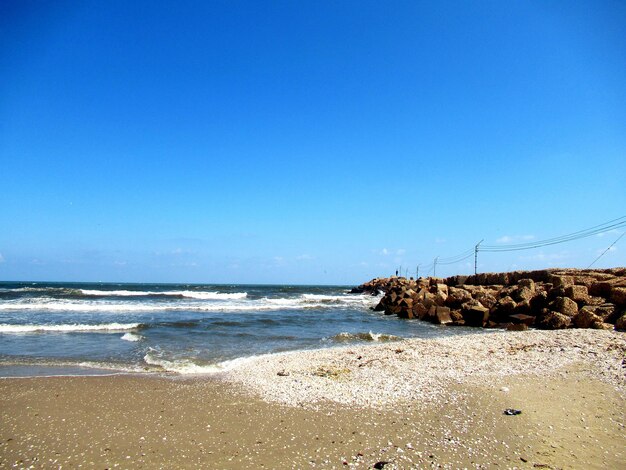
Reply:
x=306 y=142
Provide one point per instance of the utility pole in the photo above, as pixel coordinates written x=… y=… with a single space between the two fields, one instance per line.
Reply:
x=476 y=255
x=435 y=266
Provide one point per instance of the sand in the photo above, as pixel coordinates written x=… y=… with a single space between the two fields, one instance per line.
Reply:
x=572 y=410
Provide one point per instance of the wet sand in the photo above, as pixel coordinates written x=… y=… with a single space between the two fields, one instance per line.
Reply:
x=570 y=419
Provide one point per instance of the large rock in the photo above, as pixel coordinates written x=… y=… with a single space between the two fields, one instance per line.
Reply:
x=552 y=298
x=559 y=280
x=585 y=318
x=564 y=305
x=476 y=315
x=555 y=321
x=618 y=296
x=620 y=324
x=442 y=315
x=578 y=294
x=457 y=296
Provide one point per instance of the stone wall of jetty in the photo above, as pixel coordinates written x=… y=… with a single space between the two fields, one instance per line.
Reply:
x=548 y=299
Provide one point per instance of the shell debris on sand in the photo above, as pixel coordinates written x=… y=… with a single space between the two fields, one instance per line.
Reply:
x=423 y=369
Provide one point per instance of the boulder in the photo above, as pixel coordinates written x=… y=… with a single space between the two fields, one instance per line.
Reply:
x=539 y=302
x=517 y=327
x=578 y=294
x=522 y=293
x=601 y=289
x=380 y=307
x=503 y=308
x=585 y=318
x=527 y=283
x=521 y=318
x=457 y=296
x=555 y=321
x=442 y=316
x=561 y=280
x=564 y=305
x=419 y=310
x=522 y=308
x=476 y=315
x=618 y=296
x=486 y=299
x=620 y=323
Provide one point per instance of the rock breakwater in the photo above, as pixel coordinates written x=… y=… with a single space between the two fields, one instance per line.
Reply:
x=546 y=299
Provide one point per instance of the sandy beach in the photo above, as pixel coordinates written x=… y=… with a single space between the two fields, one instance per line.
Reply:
x=412 y=403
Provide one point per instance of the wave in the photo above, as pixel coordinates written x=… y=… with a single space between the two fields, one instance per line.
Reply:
x=369 y=336
x=132 y=337
x=4 y=328
x=227 y=302
x=189 y=367
x=190 y=294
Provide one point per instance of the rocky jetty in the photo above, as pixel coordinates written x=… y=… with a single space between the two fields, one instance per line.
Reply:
x=546 y=299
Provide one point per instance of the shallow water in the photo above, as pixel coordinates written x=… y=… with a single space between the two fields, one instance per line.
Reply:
x=69 y=328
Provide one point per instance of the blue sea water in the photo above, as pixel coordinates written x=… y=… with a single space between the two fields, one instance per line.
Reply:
x=91 y=328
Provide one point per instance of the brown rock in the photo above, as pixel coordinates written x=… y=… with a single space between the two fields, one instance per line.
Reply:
x=561 y=281
x=585 y=318
x=475 y=316
x=521 y=318
x=555 y=321
x=457 y=296
x=486 y=299
x=419 y=310
x=601 y=289
x=456 y=316
x=578 y=294
x=528 y=283
x=618 y=295
x=522 y=293
x=522 y=308
x=564 y=305
x=442 y=316
x=503 y=308
x=620 y=324
x=517 y=327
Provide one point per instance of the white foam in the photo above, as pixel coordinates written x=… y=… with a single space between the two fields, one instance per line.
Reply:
x=216 y=302
x=133 y=337
x=188 y=367
x=176 y=293
x=4 y=328
x=180 y=366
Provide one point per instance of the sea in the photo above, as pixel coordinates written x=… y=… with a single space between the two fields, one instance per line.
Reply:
x=181 y=329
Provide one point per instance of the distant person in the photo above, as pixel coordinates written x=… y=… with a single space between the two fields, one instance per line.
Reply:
x=396 y=273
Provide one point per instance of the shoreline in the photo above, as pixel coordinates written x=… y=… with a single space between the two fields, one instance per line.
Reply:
x=450 y=413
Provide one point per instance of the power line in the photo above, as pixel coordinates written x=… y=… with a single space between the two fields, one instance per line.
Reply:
x=588 y=232
x=612 y=244
x=611 y=225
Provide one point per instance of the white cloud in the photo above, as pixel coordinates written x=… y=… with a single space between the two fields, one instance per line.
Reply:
x=440 y=240
x=384 y=251
x=304 y=257
x=401 y=252
x=610 y=232
x=547 y=256
x=602 y=250
x=515 y=238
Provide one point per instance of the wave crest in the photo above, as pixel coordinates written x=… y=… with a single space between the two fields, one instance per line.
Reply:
x=4 y=328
